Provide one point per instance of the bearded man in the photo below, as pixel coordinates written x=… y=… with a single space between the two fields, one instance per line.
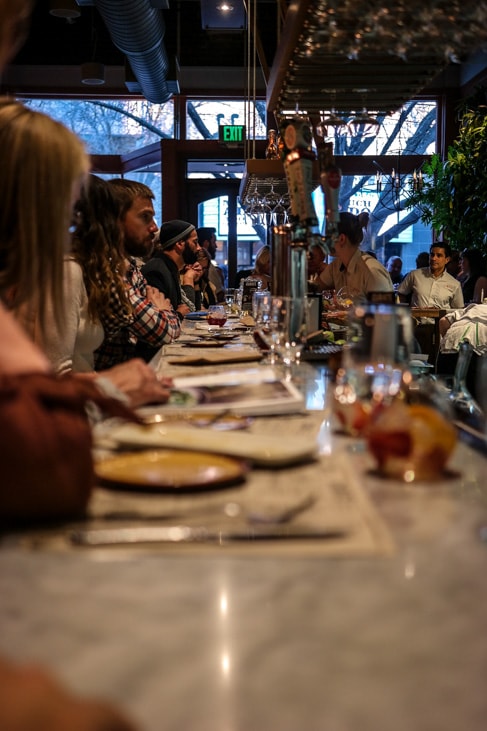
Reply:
x=173 y=268
x=154 y=321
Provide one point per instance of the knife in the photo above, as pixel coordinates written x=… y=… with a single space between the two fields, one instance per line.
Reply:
x=189 y=534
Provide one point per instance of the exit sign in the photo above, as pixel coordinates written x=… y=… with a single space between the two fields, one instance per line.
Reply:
x=231 y=134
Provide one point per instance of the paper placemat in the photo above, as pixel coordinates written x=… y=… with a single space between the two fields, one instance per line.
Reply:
x=341 y=503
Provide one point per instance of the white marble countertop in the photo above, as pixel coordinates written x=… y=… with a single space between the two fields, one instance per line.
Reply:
x=224 y=641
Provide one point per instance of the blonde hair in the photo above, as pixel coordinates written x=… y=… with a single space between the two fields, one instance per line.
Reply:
x=262 y=260
x=42 y=163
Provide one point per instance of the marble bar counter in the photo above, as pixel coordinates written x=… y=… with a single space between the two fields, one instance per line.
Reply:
x=210 y=639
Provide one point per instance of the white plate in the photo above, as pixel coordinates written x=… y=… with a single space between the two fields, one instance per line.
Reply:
x=263 y=450
x=228 y=326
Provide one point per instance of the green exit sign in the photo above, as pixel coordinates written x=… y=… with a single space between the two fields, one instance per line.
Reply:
x=231 y=134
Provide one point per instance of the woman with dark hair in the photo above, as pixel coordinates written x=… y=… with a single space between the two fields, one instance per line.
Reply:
x=205 y=291
x=352 y=270
x=472 y=276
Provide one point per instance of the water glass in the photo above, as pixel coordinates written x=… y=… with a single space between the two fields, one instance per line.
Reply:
x=261 y=304
x=288 y=324
x=373 y=363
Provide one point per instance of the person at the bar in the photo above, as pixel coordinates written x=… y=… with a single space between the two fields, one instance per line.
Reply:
x=432 y=286
x=353 y=270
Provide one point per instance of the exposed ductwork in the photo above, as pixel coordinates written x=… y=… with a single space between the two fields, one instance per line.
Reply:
x=137 y=29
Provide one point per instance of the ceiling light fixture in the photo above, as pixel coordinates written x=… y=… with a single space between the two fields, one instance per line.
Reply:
x=223 y=15
x=67 y=9
x=93 y=73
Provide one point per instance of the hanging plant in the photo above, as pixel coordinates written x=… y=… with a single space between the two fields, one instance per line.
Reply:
x=453 y=196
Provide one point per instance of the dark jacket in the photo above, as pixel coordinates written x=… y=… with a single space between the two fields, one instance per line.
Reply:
x=161 y=272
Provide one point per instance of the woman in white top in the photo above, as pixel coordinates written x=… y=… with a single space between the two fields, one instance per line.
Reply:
x=95 y=304
x=95 y=301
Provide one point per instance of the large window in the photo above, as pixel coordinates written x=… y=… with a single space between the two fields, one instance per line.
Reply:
x=204 y=118
x=409 y=131
x=111 y=127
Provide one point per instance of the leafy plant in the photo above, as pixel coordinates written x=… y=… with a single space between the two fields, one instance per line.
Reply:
x=453 y=197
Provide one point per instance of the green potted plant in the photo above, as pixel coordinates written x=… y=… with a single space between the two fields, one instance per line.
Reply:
x=452 y=195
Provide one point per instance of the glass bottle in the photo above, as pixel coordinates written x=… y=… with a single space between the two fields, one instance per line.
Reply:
x=271 y=151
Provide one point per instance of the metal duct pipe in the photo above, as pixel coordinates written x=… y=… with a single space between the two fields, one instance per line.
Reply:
x=137 y=29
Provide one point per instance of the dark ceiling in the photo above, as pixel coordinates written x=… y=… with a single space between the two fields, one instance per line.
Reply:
x=50 y=60
x=310 y=67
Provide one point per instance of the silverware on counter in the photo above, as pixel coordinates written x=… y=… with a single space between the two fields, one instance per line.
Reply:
x=231 y=509
x=189 y=534
x=202 y=422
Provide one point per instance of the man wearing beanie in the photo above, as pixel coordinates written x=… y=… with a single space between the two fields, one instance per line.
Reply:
x=173 y=268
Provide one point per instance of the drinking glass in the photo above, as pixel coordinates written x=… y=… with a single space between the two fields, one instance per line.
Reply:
x=288 y=325
x=230 y=299
x=373 y=363
x=261 y=312
x=217 y=315
x=261 y=301
x=465 y=405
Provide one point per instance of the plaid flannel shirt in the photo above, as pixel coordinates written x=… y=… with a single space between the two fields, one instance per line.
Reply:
x=151 y=326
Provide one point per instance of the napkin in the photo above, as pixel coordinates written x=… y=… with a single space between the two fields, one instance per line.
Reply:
x=228 y=356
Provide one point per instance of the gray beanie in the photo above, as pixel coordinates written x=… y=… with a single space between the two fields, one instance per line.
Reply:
x=174 y=231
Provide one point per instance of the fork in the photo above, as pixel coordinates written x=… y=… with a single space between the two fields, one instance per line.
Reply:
x=282 y=516
x=230 y=509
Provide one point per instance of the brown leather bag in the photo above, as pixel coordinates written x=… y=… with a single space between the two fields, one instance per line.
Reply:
x=46 y=466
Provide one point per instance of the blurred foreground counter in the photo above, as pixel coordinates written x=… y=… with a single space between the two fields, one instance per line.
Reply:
x=382 y=629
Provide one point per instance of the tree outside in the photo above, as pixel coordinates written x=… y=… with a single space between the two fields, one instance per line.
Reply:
x=123 y=126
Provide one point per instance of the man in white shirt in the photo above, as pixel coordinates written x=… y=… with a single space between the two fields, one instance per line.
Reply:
x=432 y=286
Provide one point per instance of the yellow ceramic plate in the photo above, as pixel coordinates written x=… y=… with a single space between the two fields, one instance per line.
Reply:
x=170 y=471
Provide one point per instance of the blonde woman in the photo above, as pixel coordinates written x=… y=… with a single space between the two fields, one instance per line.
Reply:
x=262 y=266
x=30 y=699
x=96 y=304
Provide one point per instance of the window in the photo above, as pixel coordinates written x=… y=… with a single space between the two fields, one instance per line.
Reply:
x=204 y=118
x=112 y=127
x=409 y=131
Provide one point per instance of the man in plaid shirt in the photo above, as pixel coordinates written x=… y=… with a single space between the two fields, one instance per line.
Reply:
x=154 y=321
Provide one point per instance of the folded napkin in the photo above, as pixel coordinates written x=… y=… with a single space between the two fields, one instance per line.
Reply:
x=227 y=356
